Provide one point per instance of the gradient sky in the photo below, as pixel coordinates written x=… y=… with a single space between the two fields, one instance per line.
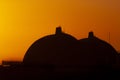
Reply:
x=24 y=21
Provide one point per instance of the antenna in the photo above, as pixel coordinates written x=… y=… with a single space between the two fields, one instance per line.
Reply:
x=109 y=37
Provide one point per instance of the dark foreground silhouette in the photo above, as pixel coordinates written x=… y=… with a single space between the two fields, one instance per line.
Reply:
x=61 y=56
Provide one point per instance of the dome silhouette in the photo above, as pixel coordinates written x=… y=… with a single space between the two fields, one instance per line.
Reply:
x=51 y=49
x=97 y=51
x=63 y=49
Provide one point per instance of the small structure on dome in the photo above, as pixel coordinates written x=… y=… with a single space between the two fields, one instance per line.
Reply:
x=58 y=30
x=91 y=35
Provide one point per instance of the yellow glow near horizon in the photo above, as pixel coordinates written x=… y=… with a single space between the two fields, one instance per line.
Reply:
x=24 y=21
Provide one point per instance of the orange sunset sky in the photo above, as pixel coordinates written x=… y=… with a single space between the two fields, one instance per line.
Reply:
x=24 y=21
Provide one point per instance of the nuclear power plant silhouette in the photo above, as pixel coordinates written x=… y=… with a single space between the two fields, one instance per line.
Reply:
x=61 y=56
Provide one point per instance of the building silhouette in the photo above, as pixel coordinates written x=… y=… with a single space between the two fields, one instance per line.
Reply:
x=51 y=49
x=61 y=49
x=62 y=56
